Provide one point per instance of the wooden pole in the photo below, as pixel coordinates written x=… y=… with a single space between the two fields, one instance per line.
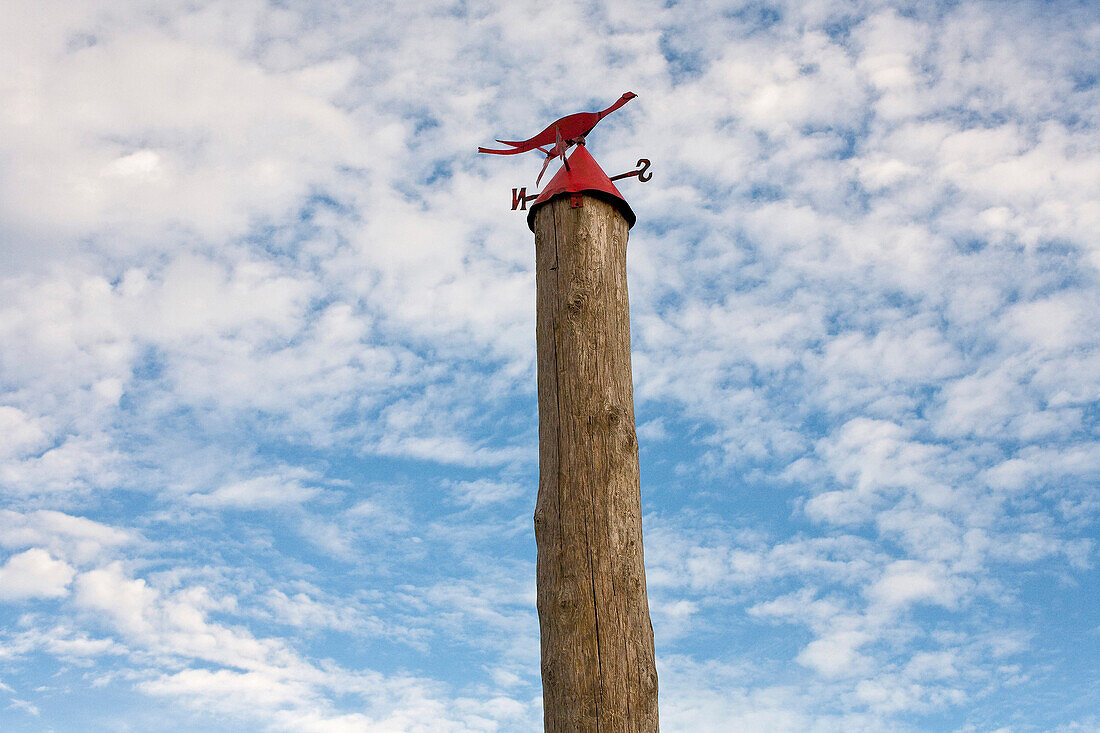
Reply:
x=598 y=672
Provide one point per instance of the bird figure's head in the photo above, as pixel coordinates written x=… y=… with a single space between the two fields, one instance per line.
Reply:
x=628 y=96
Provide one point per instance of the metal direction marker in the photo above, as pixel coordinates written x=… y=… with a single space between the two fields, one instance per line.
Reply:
x=643 y=166
x=520 y=198
x=554 y=142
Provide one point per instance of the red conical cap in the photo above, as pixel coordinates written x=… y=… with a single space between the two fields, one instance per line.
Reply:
x=584 y=175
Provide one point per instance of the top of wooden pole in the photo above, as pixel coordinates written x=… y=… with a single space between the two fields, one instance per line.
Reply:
x=582 y=174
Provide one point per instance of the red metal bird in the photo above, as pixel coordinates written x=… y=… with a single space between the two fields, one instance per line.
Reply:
x=571 y=129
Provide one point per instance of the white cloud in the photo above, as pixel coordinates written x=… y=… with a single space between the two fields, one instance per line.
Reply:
x=77 y=539
x=232 y=140
x=34 y=574
x=259 y=492
x=302 y=611
x=18 y=704
x=230 y=691
x=483 y=491
x=836 y=654
x=22 y=433
x=906 y=581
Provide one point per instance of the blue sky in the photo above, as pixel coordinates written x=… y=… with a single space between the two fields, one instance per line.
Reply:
x=267 y=360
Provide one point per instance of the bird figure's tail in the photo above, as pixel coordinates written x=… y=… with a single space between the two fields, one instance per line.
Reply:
x=499 y=152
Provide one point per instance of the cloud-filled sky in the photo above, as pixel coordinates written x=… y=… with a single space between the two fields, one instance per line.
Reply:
x=267 y=390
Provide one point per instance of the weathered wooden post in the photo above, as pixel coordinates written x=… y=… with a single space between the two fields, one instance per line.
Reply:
x=598 y=670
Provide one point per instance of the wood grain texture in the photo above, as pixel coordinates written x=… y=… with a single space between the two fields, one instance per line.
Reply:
x=598 y=671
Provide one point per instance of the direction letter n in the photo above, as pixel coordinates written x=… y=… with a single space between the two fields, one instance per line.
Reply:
x=519 y=198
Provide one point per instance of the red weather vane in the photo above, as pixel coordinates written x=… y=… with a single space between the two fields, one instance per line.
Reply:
x=556 y=139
